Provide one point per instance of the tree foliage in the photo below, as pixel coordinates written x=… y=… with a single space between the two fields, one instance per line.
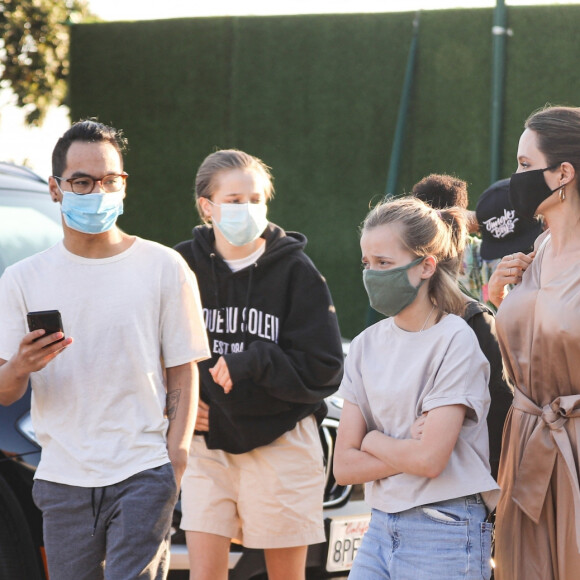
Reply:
x=34 y=59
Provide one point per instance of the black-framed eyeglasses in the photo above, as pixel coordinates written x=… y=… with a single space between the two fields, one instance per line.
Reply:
x=85 y=184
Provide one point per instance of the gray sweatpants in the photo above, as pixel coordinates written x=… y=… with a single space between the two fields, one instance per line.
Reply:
x=116 y=532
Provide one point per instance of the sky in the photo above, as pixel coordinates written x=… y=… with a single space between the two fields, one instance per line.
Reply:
x=33 y=146
x=152 y=9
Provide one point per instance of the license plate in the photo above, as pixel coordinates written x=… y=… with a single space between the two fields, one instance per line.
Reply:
x=344 y=540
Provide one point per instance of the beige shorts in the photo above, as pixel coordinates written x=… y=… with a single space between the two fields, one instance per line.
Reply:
x=270 y=497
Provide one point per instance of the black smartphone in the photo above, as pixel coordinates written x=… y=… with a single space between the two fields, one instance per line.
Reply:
x=49 y=320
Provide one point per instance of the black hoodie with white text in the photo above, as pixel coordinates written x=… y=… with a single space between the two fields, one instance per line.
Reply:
x=276 y=327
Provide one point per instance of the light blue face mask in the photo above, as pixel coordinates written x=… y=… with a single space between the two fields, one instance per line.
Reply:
x=241 y=223
x=92 y=213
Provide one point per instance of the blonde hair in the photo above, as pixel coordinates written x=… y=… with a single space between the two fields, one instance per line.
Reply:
x=225 y=160
x=428 y=232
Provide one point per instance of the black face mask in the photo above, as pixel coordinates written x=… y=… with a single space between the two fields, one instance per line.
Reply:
x=528 y=190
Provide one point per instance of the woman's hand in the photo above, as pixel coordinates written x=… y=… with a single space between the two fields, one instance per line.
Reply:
x=509 y=271
x=221 y=375
x=417 y=427
x=202 y=420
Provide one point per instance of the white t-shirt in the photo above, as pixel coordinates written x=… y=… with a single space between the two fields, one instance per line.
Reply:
x=241 y=263
x=98 y=407
x=394 y=376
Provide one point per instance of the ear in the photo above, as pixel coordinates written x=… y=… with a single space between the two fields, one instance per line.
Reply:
x=205 y=208
x=567 y=173
x=429 y=266
x=55 y=193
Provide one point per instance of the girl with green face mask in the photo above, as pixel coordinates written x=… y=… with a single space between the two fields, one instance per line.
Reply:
x=429 y=487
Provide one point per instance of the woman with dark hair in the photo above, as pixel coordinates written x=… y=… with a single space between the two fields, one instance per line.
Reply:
x=538 y=323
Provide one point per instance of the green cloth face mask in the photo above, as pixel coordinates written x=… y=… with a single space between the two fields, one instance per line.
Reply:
x=390 y=290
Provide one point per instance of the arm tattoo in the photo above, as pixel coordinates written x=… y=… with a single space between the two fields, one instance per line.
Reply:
x=172 y=404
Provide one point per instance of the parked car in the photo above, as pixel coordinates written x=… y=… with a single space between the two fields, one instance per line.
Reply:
x=31 y=222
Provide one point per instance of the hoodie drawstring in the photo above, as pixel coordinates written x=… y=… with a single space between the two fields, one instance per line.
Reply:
x=247 y=307
x=245 y=316
x=98 y=512
x=214 y=280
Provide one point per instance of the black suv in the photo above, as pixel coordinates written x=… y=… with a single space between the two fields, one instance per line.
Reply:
x=30 y=222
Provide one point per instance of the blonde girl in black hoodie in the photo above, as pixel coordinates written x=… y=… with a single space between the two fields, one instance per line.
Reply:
x=255 y=471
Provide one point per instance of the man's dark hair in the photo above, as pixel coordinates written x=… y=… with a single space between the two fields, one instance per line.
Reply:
x=87 y=131
x=441 y=191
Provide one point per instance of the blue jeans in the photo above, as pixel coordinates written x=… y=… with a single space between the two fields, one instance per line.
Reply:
x=448 y=540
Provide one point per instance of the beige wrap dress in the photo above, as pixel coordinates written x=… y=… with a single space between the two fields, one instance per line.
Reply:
x=538 y=515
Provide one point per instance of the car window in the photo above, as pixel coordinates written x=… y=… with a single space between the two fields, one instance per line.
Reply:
x=29 y=223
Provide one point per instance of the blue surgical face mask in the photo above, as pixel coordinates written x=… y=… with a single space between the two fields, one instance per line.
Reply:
x=92 y=213
x=241 y=223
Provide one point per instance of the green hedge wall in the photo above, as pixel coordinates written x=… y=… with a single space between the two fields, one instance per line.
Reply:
x=316 y=97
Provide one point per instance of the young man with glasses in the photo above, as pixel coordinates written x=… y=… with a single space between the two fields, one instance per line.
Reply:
x=114 y=403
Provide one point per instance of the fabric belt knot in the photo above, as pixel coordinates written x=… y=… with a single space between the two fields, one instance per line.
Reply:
x=548 y=439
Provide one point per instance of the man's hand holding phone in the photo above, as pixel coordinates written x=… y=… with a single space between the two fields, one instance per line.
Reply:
x=45 y=340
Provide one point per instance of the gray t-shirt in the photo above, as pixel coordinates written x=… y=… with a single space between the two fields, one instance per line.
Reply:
x=394 y=376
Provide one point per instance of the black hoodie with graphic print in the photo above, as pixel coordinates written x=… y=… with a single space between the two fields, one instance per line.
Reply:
x=275 y=325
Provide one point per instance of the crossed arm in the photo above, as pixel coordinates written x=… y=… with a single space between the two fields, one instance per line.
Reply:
x=351 y=464
x=363 y=456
